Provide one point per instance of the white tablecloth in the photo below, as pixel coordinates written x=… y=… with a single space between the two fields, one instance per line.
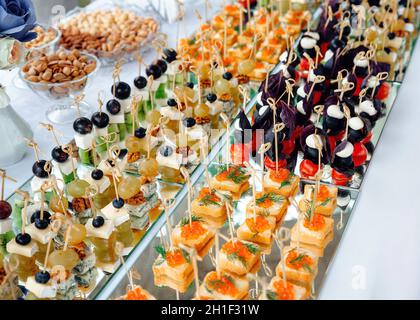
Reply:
x=378 y=257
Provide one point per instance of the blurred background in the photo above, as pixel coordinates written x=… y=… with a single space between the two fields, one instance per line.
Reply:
x=48 y=10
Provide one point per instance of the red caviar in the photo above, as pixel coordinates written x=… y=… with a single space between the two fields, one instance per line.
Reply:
x=175 y=258
x=258 y=225
x=237 y=248
x=284 y=291
x=279 y=175
x=317 y=223
x=323 y=193
x=136 y=294
x=192 y=230
x=297 y=264
x=222 y=285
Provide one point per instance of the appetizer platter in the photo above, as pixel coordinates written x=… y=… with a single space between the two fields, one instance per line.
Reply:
x=147 y=203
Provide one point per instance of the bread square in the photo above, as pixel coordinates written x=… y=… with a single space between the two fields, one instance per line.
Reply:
x=325 y=206
x=230 y=261
x=287 y=188
x=301 y=267
x=209 y=289
x=264 y=238
x=299 y=293
x=269 y=204
x=201 y=243
x=319 y=238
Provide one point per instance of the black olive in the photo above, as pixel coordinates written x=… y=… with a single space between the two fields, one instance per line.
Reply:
x=154 y=71
x=100 y=119
x=140 y=82
x=83 y=125
x=211 y=97
x=166 y=151
x=337 y=43
x=391 y=35
x=172 y=102
x=118 y=203
x=140 y=133
x=122 y=90
x=98 y=222
x=23 y=239
x=170 y=54
x=37 y=215
x=122 y=154
x=42 y=277
x=41 y=224
x=190 y=85
x=227 y=76
x=189 y=122
x=387 y=50
x=59 y=155
x=97 y=174
x=38 y=169
x=162 y=65
x=113 y=107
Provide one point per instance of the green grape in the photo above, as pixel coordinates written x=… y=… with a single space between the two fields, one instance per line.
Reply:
x=246 y=67
x=77 y=234
x=68 y=259
x=133 y=144
x=77 y=188
x=129 y=187
x=222 y=86
x=153 y=117
x=202 y=110
x=26 y=266
x=190 y=93
x=125 y=234
x=149 y=168
x=204 y=71
x=57 y=206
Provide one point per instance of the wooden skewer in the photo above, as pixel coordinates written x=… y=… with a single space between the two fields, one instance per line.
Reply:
x=186 y=175
x=51 y=129
x=3 y=178
x=263 y=149
x=25 y=196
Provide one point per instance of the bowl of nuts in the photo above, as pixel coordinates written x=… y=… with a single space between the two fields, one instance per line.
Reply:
x=61 y=78
x=109 y=32
x=47 y=41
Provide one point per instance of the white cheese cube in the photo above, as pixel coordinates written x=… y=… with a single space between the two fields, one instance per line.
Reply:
x=117 y=216
x=102 y=184
x=172 y=113
x=84 y=141
x=42 y=236
x=42 y=291
x=174 y=161
x=117 y=118
x=215 y=108
x=125 y=104
x=103 y=232
x=27 y=251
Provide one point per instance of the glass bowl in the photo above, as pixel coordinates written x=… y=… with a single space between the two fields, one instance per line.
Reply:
x=125 y=51
x=62 y=108
x=44 y=48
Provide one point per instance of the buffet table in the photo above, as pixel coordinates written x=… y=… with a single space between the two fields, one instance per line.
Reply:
x=32 y=108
